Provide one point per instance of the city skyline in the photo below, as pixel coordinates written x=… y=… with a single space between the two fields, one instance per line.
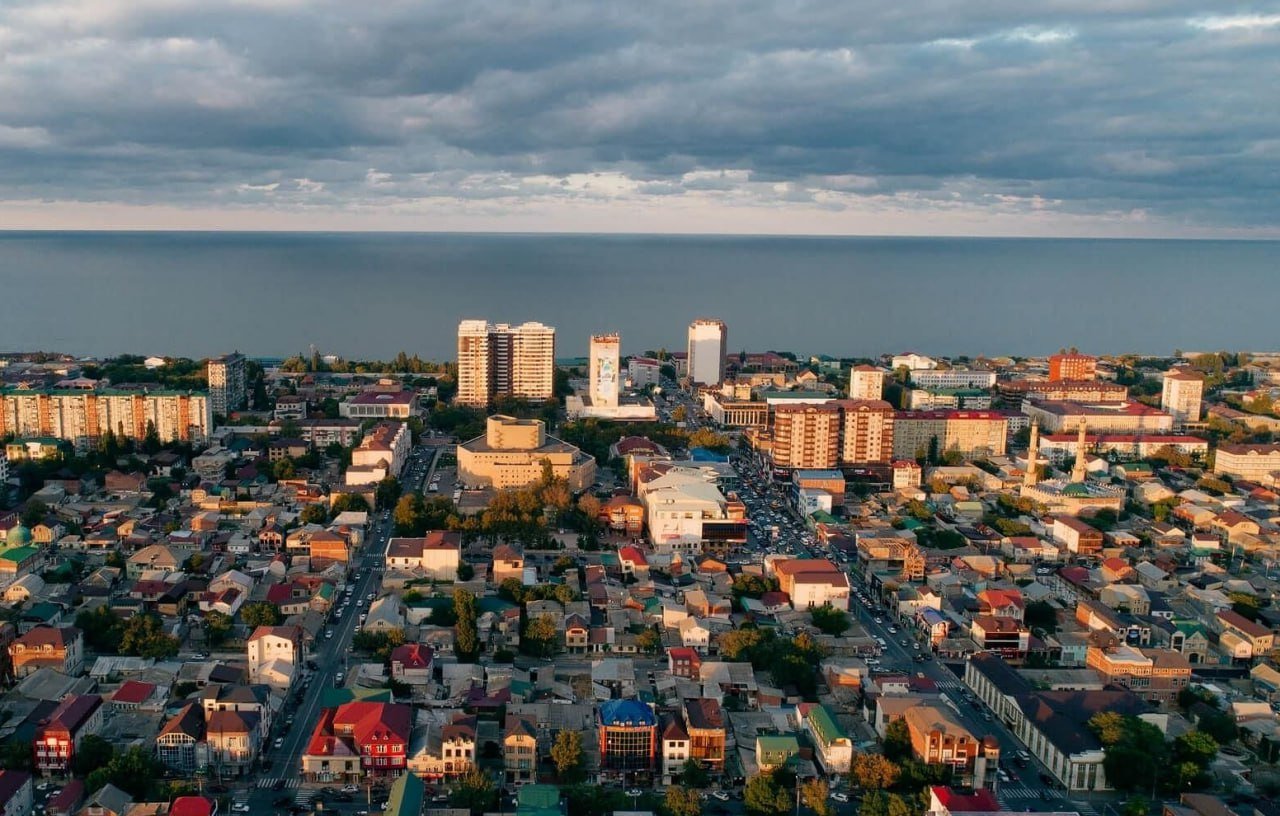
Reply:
x=844 y=119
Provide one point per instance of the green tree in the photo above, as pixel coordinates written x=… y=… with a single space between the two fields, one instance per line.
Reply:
x=681 y=801
x=541 y=636
x=814 y=795
x=94 y=752
x=387 y=493
x=350 y=503
x=1220 y=726
x=314 y=514
x=284 y=469
x=217 y=627
x=693 y=775
x=144 y=636
x=1245 y=604
x=474 y=792
x=466 y=637
x=260 y=613
x=649 y=641
x=897 y=741
x=102 y=629
x=880 y=803
x=763 y=796
x=829 y=620
x=410 y=515
x=566 y=753
x=1195 y=746
x=1041 y=615
x=34 y=513
x=15 y=755
x=872 y=771
x=151 y=443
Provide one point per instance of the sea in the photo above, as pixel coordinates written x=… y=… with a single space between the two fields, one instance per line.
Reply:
x=371 y=295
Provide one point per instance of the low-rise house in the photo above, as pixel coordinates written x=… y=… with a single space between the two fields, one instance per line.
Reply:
x=234 y=740
x=58 y=737
x=411 y=664
x=60 y=648
x=832 y=747
x=444 y=750
x=939 y=738
x=775 y=750
x=437 y=555
x=520 y=749
x=180 y=745
x=358 y=739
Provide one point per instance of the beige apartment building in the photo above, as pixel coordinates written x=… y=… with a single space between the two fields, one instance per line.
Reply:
x=972 y=433
x=512 y=452
x=1255 y=463
x=866 y=382
x=83 y=416
x=228 y=384
x=866 y=432
x=1181 y=394
x=501 y=360
x=806 y=436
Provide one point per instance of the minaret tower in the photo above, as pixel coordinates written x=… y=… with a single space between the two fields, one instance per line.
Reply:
x=1032 y=474
x=1078 y=474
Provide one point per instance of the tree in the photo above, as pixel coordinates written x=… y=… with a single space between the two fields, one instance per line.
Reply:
x=466 y=638
x=135 y=771
x=144 y=636
x=387 y=492
x=410 y=515
x=649 y=641
x=765 y=797
x=350 y=503
x=314 y=514
x=474 y=792
x=829 y=620
x=1041 y=615
x=813 y=795
x=540 y=636
x=590 y=506
x=217 y=627
x=1220 y=726
x=897 y=741
x=1195 y=746
x=102 y=629
x=93 y=752
x=693 y=775
x=681 y=801
x=872 y=771
x=1245 y=604
x=260 y=613
x=566 y=753
x=34 y=513
x=284 y=469
x=881 y=803
x=15 y=755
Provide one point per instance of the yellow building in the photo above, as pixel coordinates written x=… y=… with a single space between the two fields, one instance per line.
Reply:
x=512 y=453
x=971 y=433
x=83 y=416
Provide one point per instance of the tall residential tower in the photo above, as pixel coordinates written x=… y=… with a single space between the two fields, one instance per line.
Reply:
x=228 y=384
x=500 y=360
x=605 y=360
x=708 y=344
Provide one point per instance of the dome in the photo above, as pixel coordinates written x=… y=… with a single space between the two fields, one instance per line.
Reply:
x=1075 y=489
x=18 y=536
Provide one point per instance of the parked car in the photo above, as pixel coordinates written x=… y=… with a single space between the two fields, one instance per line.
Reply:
x=839 y=797
x=721 y=795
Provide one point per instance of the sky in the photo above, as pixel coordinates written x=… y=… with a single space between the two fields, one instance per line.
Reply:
x=1119 y=118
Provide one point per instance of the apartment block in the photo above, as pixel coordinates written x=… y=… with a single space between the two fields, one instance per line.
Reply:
x=228 y=384
x=501 y=360
x=83 y=416
x=1072 y=366
x=971 y=433
x=1181 y=394
x=806 y=436
x=708 y=345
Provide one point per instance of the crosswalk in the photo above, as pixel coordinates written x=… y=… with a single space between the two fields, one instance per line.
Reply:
x=1014 y=790
x=1085 y=808
x=950 y=685
x=272 y=781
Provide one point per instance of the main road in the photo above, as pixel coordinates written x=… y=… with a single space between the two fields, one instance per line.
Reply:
x=280 y=777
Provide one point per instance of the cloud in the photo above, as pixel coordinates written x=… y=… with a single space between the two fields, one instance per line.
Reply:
x=992 y=115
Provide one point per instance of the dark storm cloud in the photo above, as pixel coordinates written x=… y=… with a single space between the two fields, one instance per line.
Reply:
x=1087 y=107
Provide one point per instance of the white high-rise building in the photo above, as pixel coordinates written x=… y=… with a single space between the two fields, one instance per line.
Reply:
x=1181 y=395
x=228 y=384
x=866 y=383
x=500 y=360
x=708 y=344
x=605 y=361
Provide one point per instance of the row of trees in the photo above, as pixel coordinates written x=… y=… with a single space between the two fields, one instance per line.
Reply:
x=1137 y=757
x=790 y=661
x=142 y=635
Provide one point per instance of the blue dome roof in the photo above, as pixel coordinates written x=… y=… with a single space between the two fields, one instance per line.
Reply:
x=18 y=536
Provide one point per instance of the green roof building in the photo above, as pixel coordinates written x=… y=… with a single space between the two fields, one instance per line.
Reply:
x=407 y=796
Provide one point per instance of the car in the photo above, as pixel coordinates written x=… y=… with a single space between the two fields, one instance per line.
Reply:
x=279 y=743
x=1023 y=755
x=893 y=630
x=328 y=633
x=440 y=797
x=839 y=797
x=240 y=807
x=1002 y=776
x=878 y=620
x=721 y=795
x=633 y=792
x=338 y=678
x=350 y=788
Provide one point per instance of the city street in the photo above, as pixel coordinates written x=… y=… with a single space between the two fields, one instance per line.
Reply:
x=331 y=656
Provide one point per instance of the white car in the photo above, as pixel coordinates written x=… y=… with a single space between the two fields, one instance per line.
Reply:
x=839 y=797
x=721 y=795
x=240 y=807
x=279 y=743
x=350 y=788
x=635 y=792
